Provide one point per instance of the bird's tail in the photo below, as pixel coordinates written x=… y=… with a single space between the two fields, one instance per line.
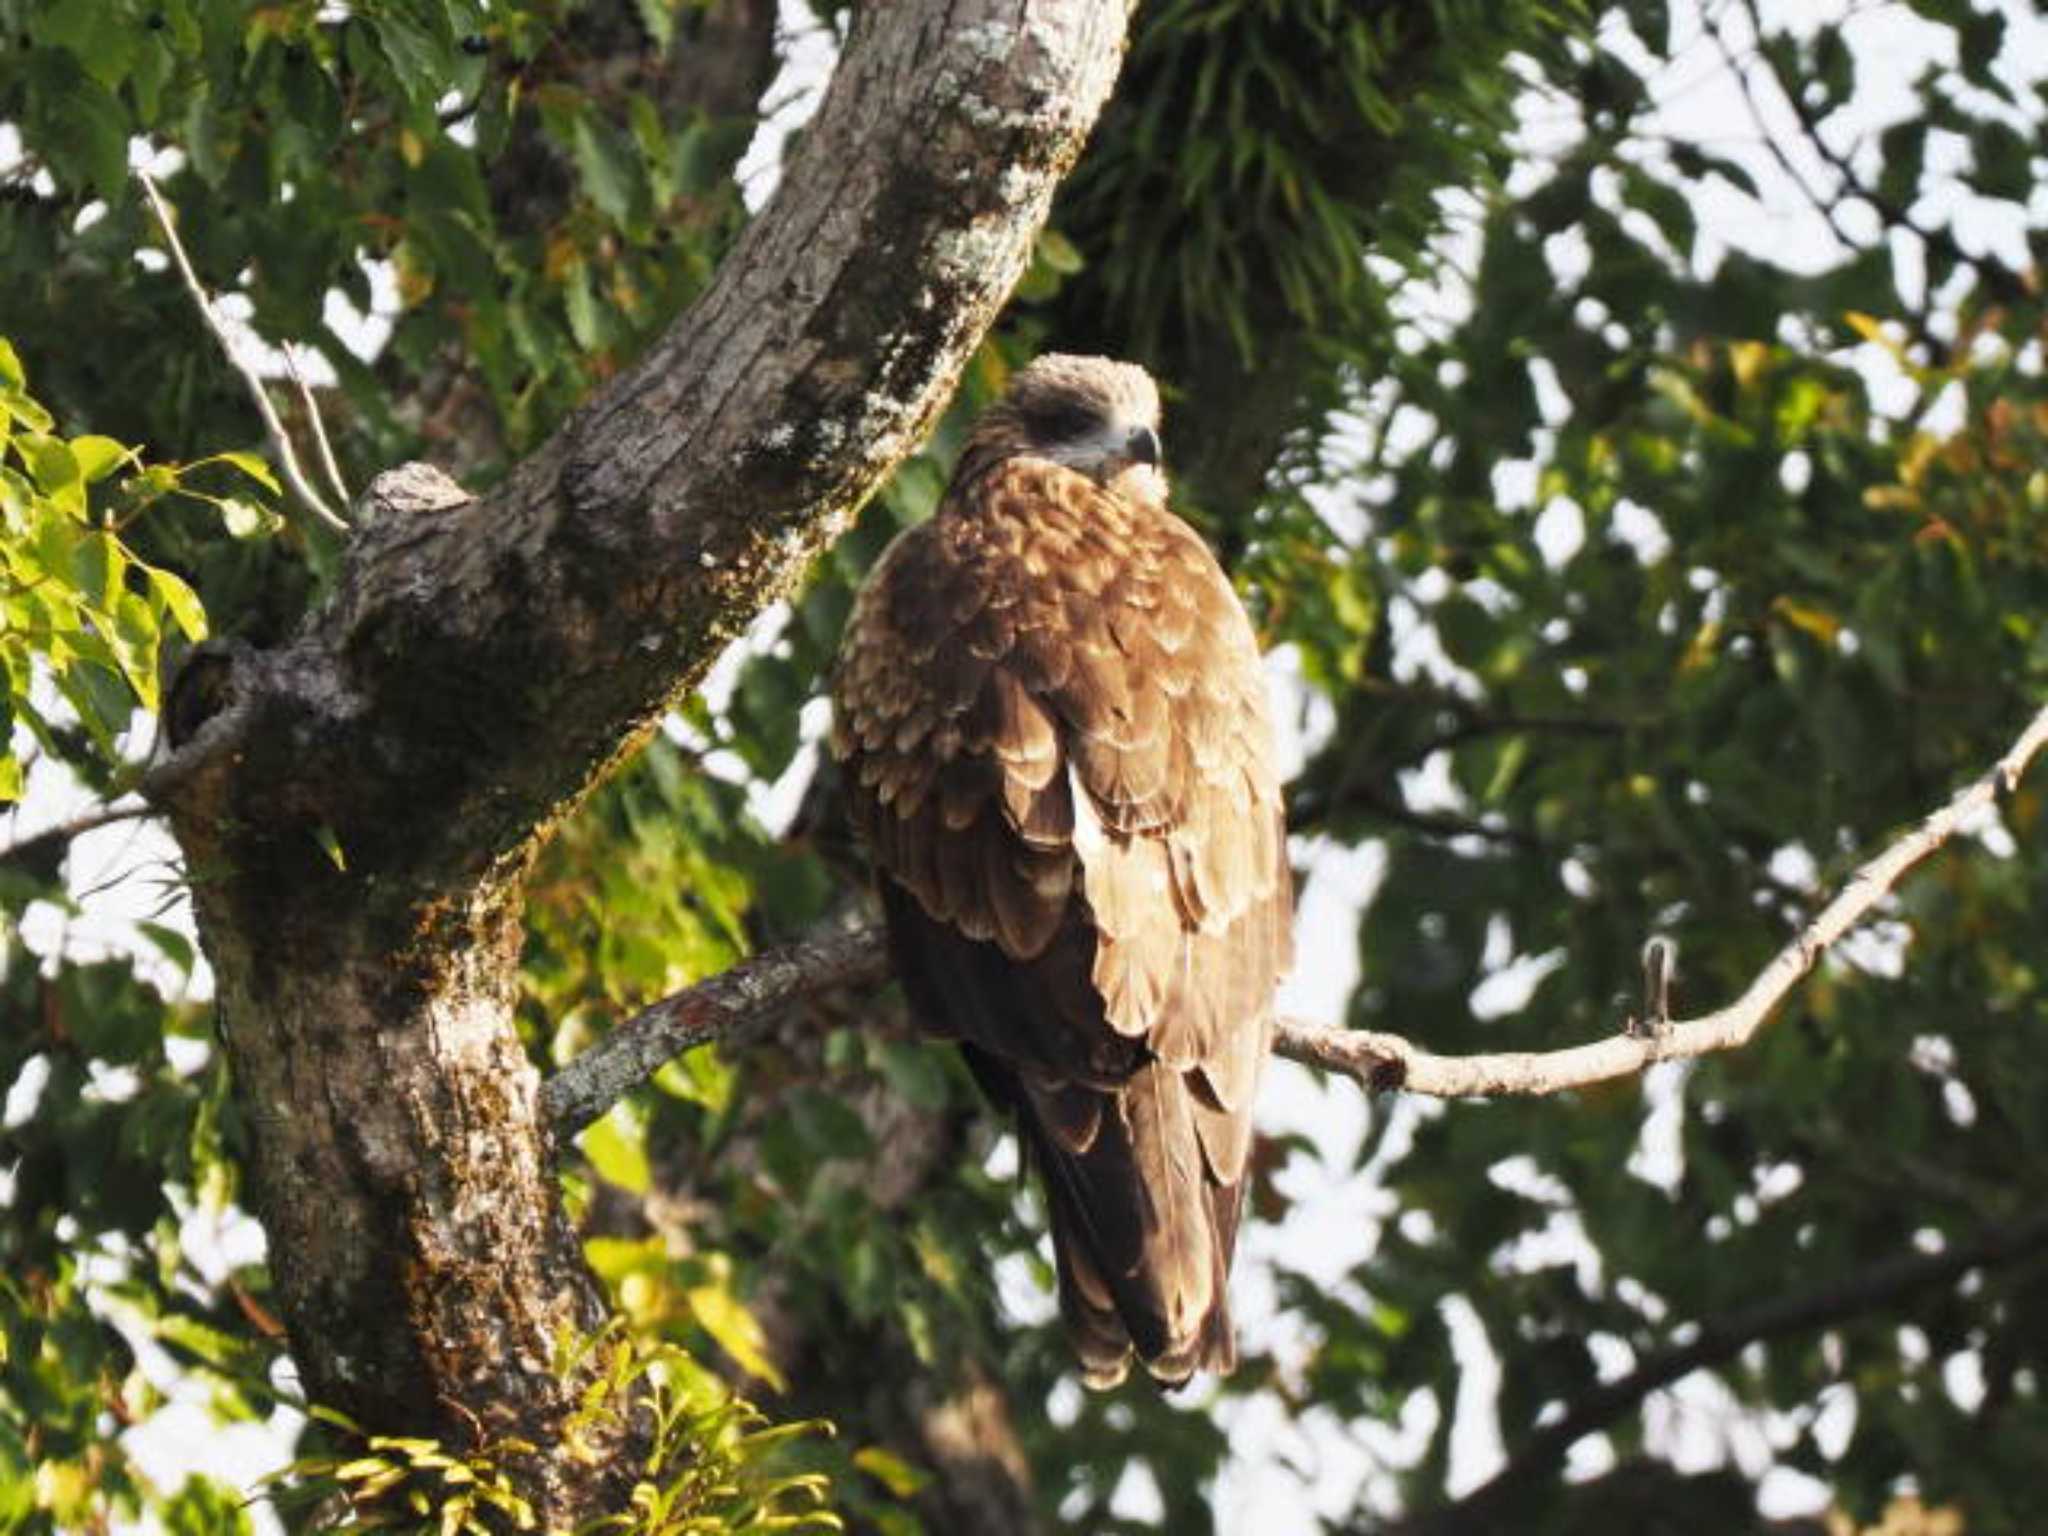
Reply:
x=1141 y=1228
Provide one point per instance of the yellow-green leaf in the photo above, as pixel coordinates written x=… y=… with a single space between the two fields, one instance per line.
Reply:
x=725 y=1317
x=99 y=457
x=254 y=467
x=890 y=1470
x=617 y=1148
x=181 y=602
x=56 y=473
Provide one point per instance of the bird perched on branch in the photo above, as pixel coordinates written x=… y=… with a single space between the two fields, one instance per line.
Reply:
x=1055 y=740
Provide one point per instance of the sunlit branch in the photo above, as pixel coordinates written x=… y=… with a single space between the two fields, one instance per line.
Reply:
x=280 y=441
x=742 y=1001
x=733 y=1006
x=1392 y=1061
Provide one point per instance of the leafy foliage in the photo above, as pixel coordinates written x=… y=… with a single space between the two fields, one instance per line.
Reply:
x=711 y=1465
x=1634 y=585
x=77 y=605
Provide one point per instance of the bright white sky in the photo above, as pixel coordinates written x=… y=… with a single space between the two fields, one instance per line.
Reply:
x=1286 y=1468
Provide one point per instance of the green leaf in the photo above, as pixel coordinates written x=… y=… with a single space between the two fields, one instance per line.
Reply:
x=891 y=1471
x=331 y=846
x=96 y=34
x=579 y=299
x=2004 y=161
x=180 y=601
x=423 y=64
x=726 y=1319
x=616 y=1145
x=915 y=1070
x=659 y=18
x=56 y=472
x=76 y=123
x=98 y=457
x=610 y=169
x=701 y=1076
x=1059 y=253
x=172 y=944
x=101 y=565
x=253 y=465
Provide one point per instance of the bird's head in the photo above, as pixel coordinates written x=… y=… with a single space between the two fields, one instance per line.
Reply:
x=1092 y=414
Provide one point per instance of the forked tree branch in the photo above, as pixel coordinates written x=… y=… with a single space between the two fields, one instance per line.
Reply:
x=1392 y=1061
x=742 y=1001
x=367 y=794
x=273 y=426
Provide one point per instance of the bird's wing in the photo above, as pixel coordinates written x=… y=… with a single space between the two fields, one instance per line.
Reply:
x=1055 y=727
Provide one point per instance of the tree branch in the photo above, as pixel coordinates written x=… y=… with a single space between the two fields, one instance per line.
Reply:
x=273 y=427
x=736 y=1005
x=368 y=796
x=739 y=1002
x=1863 y=1290
x=1392 y=1061
x=48 y=845
x=1994 y=279
x=1306 y=814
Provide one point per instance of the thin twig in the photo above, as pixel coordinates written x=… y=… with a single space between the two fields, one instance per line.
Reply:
x=280 y=443
x=335 y=483
x=1308 y=813
x=1864 y=1290
x=744 y=1000
x=1997 y=280
x=40 y=844
x=1829 y=208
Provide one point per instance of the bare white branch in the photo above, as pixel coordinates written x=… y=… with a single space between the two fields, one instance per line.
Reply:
x=280 y=442
x=328 y=464
x=1393 y=1061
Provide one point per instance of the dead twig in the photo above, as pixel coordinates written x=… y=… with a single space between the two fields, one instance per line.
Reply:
x=280 y=442
x=328 y=464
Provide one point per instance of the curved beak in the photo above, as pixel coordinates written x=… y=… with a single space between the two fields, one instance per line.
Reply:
x=1143 y=446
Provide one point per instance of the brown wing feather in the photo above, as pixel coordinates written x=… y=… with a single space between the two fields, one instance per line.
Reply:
x=1051 y=713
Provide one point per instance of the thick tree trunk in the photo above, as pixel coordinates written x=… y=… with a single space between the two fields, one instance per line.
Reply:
x=358 y=807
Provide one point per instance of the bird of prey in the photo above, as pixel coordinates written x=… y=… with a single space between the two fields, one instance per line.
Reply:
x=1055 y=742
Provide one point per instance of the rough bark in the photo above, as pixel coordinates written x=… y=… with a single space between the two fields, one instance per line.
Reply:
x=358 y=805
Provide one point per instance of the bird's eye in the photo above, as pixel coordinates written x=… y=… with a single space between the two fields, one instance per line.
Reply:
x=1064 y=423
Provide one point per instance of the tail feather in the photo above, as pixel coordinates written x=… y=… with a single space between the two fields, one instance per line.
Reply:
x=1141 y=1233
